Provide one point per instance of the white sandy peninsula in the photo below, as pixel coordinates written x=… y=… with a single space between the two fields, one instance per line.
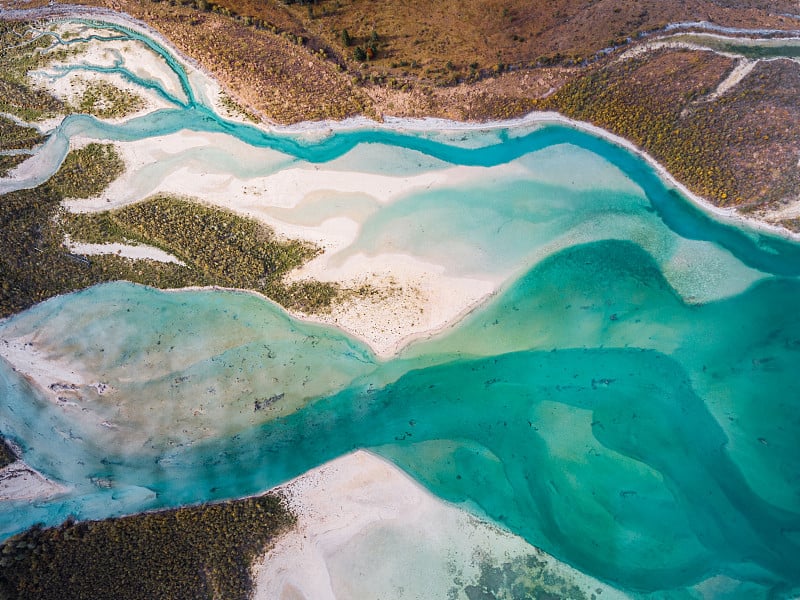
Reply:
x=367 y=530
x=18 y=482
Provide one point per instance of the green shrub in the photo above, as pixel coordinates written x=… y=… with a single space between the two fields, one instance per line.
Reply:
x=86 y=172
x=14 y=136
x=6 y=455
x=192 y=553
x=9 y=161
x=106 y=101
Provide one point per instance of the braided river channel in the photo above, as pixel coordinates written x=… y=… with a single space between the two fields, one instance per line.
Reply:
x=626 y=399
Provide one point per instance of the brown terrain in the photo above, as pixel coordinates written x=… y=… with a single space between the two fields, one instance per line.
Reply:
x=480 y=60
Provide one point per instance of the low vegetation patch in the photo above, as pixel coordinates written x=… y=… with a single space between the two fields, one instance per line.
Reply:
x=7 y=456
x=192 y=553
x=737 y=149
x=643 y=100
x=226 y=249
x=35 y=265
x=107 y=101
x=86 y=172
x=218 y=247
x=9 y=161
x=235 y=109
x=21 y=52
x=15 y=137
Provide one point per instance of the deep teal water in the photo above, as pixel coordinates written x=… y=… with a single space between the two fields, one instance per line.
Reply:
x=590 y=407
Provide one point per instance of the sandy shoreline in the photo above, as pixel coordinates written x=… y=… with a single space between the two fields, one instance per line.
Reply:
x=360 y=506
x=20 y=482
x=414 y=299
x=324 y=128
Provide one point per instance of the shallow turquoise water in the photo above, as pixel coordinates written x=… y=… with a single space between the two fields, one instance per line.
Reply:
x=648 y=442
x=749 y=48
x=605 y=405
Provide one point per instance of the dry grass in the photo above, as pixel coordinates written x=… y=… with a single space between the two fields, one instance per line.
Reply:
x=477 y=60
x=279 y=78
x=420 y=47
x=738 y=149
x=437 y=42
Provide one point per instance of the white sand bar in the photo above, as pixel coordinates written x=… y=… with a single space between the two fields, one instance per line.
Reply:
x=127 y=250
x=367 y=530
x=410 y=297
x=19 y=482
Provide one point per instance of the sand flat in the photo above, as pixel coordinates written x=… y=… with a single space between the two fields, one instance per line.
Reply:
x=367 y=530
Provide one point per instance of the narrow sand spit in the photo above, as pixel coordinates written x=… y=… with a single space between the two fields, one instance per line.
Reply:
x=127 y=250
x=367 y=530
x=19 y=482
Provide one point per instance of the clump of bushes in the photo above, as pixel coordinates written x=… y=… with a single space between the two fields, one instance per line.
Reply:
x=35 y=265
x=14 y=136
x=191 y=552
x=7 y=455
x=223 y=248
x=106 y=101
x=86 y=172
x=17 y=96
x=218 y=247
x=9 y=161
x=236 y=109
x=660 y=113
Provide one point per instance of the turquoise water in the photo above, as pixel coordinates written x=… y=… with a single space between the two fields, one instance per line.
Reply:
x=749 y=48
x=609 y=404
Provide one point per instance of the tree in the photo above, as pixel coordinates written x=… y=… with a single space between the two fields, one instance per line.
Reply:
x=346 y=39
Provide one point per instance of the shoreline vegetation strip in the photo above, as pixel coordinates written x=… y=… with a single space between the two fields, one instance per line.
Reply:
x=218 y=247
x=191 y=552
x=29 y=223
x=715 y=151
